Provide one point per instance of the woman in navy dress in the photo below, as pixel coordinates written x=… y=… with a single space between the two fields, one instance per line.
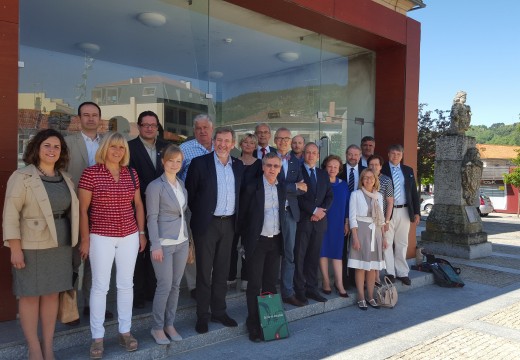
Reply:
x=337 y=227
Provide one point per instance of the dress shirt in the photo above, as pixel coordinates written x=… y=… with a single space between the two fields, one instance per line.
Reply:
x=356 y=175
x=364 y=162
x=402 y=197
x=191 y=149
x=285 y=162
x=259 y=151
x=92 y=147
x=151 y=150
x=225 y=187
x=271 y=224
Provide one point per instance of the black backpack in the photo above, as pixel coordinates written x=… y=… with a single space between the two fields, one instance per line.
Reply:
x=444 y=273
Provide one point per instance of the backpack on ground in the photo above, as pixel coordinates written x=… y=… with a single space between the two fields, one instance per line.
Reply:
x=445 y=274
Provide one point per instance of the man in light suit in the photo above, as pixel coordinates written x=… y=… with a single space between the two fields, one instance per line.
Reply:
x=263 y=134
x=82 y=151
x=290 y=177
x=314 y=205
x=145 y=158
x=406 y=211
x=213 y=183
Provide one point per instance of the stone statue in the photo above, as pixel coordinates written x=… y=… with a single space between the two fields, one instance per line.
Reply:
x=471 y=175
x=460 y=115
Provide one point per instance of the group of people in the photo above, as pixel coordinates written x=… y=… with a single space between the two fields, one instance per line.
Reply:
x=104 y=200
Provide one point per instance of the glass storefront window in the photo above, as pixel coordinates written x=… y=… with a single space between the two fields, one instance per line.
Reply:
x=187 y=58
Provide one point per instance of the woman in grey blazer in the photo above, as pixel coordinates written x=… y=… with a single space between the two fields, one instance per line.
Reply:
x=166 y=201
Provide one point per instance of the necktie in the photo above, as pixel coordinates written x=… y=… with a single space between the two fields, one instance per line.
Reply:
x=397 y=184
x=351 y=180
x=286 y=157
x=313 y=180
x=264 y=151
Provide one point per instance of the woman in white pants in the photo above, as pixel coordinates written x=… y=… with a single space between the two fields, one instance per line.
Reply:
x=166 y=201
x=108 y=194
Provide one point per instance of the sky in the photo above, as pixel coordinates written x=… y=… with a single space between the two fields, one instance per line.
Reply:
x=472 y=46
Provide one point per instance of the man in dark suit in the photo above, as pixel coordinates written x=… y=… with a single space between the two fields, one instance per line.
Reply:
x=312 y=226
x=213 y=184
x=261 y=236
x=290 y=177
x=406 y=210
x=145 y=158
x=263 y=134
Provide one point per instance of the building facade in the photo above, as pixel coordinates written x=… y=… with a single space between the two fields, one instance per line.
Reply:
x=333 y=69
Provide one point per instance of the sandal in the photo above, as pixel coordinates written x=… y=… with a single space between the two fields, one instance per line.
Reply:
x=96 y=350
x=128 y=342
x=362 y=304
x=373 y=303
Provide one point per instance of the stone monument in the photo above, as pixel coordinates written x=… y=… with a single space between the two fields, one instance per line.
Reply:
x=454 y=227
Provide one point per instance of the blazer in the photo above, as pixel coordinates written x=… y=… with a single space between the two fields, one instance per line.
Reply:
x=410 y=189
x=271 y=149
x=294 y=175
x=344 y=175
x=251 y=216
x=141 y=162
x=163 y=212
x=78 y=156
x=201 y=184
x=28 y=213
x=322 y=198
x=358 y=206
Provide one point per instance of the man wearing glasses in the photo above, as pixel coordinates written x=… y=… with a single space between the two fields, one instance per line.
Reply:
x=290 y=177
x=263 y=134
x=145 y=158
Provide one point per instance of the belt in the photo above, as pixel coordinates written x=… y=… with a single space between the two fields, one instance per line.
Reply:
x=271 y=236
x=222 y=217
x=59 y=216
x=400 y=206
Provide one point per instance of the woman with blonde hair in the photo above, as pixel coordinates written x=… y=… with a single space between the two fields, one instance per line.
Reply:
x=40 y=225
x=108 y=194
x=366 y=223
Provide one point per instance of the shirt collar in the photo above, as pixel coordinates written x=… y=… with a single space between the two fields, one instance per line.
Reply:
x=229 y=162
x=88 y=138
x=266 y=183
x=147 y=144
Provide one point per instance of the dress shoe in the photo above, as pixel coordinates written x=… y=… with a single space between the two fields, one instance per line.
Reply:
x=254 y=335
x=224 y=320
x=315 y=296
x=158 y=340
x=193 y=294
x=405 y=280
x=343 y=295
x=202 y=325
x=293 y=301
x=326 y=292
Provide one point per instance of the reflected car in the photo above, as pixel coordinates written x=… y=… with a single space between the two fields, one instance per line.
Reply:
x=427 y=205
x=485 y=208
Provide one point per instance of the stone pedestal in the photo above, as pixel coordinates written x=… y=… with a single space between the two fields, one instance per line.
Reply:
x=453 y=228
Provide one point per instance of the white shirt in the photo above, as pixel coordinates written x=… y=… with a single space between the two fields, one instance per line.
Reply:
x=177 y=190
x=92 y=147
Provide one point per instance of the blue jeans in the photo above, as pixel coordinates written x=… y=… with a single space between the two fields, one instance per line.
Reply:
x=289 y=235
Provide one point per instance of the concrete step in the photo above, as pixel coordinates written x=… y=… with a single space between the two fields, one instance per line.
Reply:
x=75 y=343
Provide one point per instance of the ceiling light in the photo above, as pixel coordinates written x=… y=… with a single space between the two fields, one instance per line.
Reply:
x=151 y=19
x=288 y=56
x=88 y=48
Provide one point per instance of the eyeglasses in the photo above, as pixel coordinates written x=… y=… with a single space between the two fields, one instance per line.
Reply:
x=286 y=139
x=270 y=166
x=149 y=126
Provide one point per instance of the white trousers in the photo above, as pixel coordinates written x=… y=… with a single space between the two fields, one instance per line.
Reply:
x=397 y=234
x=103 y=251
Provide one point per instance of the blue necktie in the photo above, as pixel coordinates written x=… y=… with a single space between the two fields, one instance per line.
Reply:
x=397 y=184
x=351 y=180
x=313 y=180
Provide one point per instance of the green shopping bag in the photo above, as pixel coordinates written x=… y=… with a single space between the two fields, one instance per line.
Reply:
x=272 y=317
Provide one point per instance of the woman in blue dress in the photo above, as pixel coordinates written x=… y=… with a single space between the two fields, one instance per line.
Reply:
x=337 y=227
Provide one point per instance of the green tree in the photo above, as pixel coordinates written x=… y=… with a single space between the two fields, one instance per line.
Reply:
x=431 y=125
x=513 y=178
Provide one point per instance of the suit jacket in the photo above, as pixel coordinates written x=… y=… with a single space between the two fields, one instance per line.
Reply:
x=201 y=183
x=294 y=175
x=78 y=156
x=344 y=175
x=251 y=217
x=28 y=213
x=410 y=188
x=141 y=162
x=271 y=149
x=322 y=198
x=163 y=212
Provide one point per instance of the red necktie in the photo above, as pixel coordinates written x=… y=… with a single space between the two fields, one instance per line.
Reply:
x=264 y=151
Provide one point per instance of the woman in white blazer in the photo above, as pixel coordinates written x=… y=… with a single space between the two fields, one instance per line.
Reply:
x=166 y=202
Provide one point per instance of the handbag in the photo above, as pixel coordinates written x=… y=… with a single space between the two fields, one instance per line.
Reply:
x=272 y=317
x=386 y=294
x=191 y=253
x=68 y=306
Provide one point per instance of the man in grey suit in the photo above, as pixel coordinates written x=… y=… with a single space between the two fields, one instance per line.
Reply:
x=290 y=177
x=82 y=151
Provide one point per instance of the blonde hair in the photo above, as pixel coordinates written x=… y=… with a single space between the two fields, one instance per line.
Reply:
x=363 y=174
x=112 y=138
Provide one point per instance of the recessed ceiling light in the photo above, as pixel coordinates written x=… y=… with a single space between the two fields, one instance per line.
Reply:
x=88 y=48
x=288 y=56
x=151 y=19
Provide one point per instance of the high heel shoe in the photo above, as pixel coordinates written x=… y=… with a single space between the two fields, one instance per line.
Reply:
x=343 y=295
x=326 y=292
